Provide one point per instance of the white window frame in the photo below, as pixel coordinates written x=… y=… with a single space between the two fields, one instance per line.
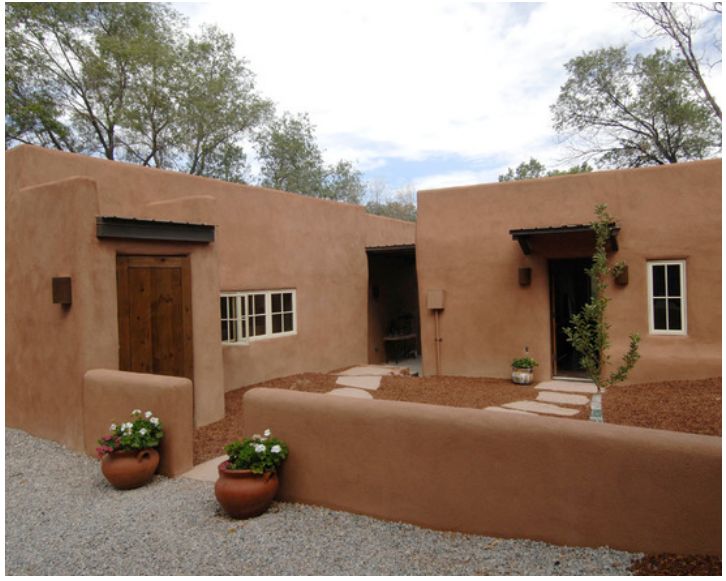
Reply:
x=684 y=321
x=244 y=322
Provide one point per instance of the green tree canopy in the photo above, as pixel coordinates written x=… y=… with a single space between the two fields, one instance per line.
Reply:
x=123 y=81
x=290 y=158
x=532 y=169
x=679 y=22
x=401 y=205
x=629 y=112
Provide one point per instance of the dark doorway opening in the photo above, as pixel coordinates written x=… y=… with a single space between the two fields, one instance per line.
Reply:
x=570 y=289
x=393 y=318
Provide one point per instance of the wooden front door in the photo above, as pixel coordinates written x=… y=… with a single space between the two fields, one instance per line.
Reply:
x=155 y=315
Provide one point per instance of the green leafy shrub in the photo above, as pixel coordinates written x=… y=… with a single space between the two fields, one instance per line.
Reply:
x=259 y=453
x=143 y=431
x=524 y=363
x=589 y=331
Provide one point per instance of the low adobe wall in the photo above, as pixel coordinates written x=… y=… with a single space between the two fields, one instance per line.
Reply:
x=109 y=396
x=561 y=481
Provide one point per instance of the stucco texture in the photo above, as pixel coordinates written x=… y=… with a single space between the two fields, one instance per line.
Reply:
x=463 y=246
x=265 y=240
x=566 y=482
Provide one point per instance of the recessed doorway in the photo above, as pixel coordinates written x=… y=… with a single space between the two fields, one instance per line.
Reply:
x=570 y=290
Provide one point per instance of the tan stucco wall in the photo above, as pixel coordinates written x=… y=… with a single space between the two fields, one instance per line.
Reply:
x=106 y=397
x=265 y=240
x=464 y=247
x=567 y=482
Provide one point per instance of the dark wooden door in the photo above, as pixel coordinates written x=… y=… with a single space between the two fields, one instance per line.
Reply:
x=155 y=315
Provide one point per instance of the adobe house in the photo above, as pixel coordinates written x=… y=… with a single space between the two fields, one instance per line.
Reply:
x=119 y=267
x=111 y=266
x=510 y=259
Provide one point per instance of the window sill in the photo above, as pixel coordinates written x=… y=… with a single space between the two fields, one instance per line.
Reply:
x=251 y=340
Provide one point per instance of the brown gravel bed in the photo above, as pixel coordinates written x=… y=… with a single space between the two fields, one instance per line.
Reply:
x=210 y=440
x=466 y=392
x=469 y=392
x=692 y=406
x=668 y=564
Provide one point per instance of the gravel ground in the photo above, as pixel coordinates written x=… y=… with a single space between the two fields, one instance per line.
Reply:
x=62 y=518
x=692 y=406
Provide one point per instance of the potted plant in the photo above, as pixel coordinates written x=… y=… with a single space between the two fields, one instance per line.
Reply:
x=523 y=370
x=247 y=481
x=128 y=455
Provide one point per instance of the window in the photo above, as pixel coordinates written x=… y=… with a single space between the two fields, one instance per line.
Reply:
x=247 y=316
x=667 y=297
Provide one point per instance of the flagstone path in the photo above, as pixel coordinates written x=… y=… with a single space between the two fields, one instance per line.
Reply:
x=551 y=393
x=359 y=382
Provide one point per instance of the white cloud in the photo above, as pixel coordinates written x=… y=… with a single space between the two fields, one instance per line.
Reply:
x=410 y=80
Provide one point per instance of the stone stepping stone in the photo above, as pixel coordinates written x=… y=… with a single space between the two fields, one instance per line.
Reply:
x=206 y=471
x=498 y=409
x=351 y=392
x=360 y=382
x=367 y=370
x=564 y=398
x=567 y=386
x=541 y=408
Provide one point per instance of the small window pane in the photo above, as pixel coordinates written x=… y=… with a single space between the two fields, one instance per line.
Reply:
x=674 y=280
x=259 y=304
x=276 y=303
x=674 y=315
x=659 y=315
x=242 y=305
x=225 y=335
x=288 y=322
x=287 y=301
x=259 y=326
x=659 y=281
x=223 y=307
x=277 y=323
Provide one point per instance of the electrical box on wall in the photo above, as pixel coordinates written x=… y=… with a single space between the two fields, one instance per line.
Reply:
x=435 y=299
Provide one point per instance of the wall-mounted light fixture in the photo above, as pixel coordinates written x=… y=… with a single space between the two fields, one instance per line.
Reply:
x=62 y=293
x=525 y=276
x=622 y=277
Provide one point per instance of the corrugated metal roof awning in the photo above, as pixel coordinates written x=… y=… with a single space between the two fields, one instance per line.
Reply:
x=525 y=235
x=137 y=229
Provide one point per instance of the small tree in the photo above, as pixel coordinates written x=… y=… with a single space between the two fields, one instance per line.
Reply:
x=588 y=332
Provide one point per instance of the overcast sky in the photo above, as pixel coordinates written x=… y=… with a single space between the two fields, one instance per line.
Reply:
x=430 y=94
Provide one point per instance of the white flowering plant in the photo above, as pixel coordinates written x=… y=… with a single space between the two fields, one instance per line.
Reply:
x=258 y=454
x=143 y=431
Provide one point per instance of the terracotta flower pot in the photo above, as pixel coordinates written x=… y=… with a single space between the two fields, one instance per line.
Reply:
x=244 y=494
x=126 y=469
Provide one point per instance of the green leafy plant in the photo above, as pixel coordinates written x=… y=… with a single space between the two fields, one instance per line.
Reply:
x=524 y=363
x=258 y=454
x=589 y=331
x=143 y=431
